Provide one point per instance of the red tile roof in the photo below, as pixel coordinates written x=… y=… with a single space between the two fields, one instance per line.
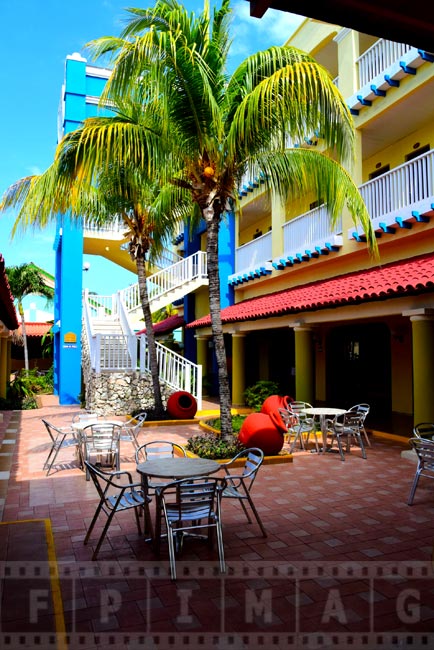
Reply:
x=406 y=277
x=36 y=329
x=167 y=325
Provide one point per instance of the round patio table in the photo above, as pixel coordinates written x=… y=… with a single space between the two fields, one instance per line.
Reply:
x=177 y=468
x=324 y=412
x=173 y=469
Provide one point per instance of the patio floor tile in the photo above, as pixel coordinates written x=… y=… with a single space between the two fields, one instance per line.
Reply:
x=344 y=554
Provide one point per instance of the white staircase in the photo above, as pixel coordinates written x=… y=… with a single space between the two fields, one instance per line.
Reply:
x=113 y=344
x=170 y=284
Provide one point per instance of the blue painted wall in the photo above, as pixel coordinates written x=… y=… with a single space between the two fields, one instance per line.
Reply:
x=69 y=242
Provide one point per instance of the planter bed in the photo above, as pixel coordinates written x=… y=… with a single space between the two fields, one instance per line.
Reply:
x=268 y=460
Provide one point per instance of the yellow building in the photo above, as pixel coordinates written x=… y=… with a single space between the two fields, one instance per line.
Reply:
x=8 y=324
x=313 y=310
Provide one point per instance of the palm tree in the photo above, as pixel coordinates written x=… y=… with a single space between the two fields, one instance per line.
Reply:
x=149 y=213
x=218 y=128
x=25 y=280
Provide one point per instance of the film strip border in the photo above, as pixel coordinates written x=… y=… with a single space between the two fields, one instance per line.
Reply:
x=206 y=570
x=199 y=641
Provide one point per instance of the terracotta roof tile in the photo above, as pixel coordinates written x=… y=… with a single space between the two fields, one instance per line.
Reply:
x=36 y=329
x=167 y=325
x=412 y=276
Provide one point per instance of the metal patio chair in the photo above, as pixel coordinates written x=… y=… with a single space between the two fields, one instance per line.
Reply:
x=363 y=411
x=239 y=484
x=188 y=507
x=101 y=440
x=425 y=462
x=298 y=425
x=61 y=438
x=158 y=449
x=131 y=429
x=424 y=430
x=349 y=427
x=115 y=496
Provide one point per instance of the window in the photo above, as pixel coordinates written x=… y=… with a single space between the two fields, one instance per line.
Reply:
x=417 y=152
x=379 y=172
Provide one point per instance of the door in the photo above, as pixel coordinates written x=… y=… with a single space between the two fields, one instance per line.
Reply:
x=358 y=367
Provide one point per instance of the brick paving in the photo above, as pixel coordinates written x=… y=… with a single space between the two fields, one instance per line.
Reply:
x=346 y=563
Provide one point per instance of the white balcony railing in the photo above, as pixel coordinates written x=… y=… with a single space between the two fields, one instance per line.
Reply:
x=404 y=189
x=309 y=229
x=254 y=253
x=378 y=58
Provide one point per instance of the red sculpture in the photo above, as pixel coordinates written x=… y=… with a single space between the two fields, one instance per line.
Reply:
x=181 y=405
x=259 y=430
x=271 y=407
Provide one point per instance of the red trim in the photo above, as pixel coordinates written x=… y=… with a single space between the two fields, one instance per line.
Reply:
x=8 y=314
x=166 y=325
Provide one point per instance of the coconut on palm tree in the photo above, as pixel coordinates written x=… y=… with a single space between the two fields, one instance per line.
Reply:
x=25 y=280
x=218 y=128
x=195 y=128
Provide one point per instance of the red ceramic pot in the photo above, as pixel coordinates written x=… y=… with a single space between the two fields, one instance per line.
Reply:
x=259 y=430
x=271 y=407
x=181 y=405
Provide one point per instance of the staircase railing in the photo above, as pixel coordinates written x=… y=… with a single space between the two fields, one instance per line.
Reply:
x=173 y=277
x=114 y=352
x=174 y=369
x=127 y=329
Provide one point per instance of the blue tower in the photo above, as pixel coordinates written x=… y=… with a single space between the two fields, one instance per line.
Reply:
x=81 y=91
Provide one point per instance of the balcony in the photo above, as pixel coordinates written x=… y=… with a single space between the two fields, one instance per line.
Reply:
x=399 y=198
x=396 y=200
x=306 y=237
x=252 y=260
x=383 y=66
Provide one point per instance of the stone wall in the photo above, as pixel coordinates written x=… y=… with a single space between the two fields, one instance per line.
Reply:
x=121 y=393
x=117 y=393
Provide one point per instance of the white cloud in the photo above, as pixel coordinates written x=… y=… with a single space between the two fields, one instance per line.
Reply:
x=251 y=34
x=274 y=28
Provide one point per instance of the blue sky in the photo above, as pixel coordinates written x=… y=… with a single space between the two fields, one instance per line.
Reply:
x=36 y=37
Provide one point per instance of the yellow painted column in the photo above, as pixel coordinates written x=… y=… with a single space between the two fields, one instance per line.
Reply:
x=423 y=368
x=8 y=359
x=202 y=358
x=304 y=365
x=278 y=218
x=3 y=365
x=238 y=369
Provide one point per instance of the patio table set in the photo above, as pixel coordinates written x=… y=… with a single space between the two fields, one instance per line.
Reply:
x=302 y=420
x=187 y=498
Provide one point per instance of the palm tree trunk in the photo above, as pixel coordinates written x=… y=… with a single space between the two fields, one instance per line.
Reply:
x=23 y=327
x=216 y=322
x=153 y=360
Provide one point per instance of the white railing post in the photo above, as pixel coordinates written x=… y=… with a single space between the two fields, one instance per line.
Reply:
x=174 y=369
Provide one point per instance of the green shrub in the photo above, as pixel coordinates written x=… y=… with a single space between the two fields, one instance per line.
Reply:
x=214 y=447
x=256 y=395
x=22 y=389
x=29 y=403
x=237 y=423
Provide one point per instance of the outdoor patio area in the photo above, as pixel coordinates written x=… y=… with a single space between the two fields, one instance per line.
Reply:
x=346 y=563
